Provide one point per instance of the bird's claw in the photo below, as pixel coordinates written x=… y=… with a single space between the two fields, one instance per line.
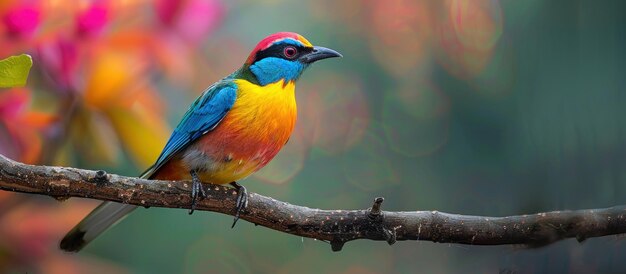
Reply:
x=196 y=190
x=242 y=201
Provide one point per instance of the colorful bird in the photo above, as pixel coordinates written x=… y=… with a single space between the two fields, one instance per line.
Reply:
x=233 y=129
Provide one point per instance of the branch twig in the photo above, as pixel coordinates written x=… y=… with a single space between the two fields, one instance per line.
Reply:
x=335 y=226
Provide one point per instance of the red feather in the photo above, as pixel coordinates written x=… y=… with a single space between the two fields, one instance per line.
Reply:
x=268 y=41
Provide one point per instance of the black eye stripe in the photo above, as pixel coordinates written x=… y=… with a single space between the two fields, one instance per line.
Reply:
x=278 y=51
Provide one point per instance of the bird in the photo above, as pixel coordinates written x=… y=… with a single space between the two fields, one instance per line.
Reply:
x=234 y=128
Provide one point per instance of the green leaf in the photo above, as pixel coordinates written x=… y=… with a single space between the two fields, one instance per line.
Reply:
x=14 y=70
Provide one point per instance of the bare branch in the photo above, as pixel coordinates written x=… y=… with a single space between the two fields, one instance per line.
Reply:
x=334 y=226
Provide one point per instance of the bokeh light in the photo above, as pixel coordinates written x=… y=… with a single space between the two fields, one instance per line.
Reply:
x=477 y=24
x=366 y=165
x=415 y=118
x=332 y=107
x=468 y=35
x=401 y=32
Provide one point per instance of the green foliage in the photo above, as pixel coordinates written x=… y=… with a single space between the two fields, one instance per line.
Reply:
x=14 y=70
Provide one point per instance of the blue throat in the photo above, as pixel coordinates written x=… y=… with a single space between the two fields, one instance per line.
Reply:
x=271 y=69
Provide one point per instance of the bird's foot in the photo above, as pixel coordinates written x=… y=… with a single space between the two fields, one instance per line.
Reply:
x=197 y=190
x=242 y=200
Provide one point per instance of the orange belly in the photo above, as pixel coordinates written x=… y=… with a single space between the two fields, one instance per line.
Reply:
x=250 y=135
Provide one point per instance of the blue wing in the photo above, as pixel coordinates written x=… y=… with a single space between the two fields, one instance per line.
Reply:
x=203 y=116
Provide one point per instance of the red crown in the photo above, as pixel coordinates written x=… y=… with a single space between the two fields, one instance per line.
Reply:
x=270 y=40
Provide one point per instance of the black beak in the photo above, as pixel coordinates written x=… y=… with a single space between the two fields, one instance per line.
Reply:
x=319 y=53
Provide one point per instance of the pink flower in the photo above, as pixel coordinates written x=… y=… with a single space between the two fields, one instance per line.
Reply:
x=92 y=20
x=22 y=21
x=59 y=60
x=192 y=20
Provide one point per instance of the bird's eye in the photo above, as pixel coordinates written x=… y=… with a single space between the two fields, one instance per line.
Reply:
x=290 y=52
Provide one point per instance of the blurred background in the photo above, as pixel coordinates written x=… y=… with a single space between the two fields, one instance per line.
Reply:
x=479 y=107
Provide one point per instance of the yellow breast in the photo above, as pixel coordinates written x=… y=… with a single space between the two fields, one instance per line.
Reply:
x=267 y=111
x=254 y=130
x=252 y=133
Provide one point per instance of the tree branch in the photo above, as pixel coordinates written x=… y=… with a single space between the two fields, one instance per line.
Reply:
x=334 y=226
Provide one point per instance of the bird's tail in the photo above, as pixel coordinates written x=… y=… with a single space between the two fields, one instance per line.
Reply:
x=104 y=216
x=100 y=219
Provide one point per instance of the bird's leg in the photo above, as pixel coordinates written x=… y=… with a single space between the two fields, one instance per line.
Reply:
x=196 y=190
x=242 y=200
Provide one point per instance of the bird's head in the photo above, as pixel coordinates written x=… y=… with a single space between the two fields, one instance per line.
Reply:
x=284 y=56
